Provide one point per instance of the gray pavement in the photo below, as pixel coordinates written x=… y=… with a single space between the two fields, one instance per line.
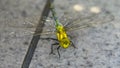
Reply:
x=97 y=47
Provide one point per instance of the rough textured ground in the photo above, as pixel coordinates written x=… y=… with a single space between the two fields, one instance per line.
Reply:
x=97 y=47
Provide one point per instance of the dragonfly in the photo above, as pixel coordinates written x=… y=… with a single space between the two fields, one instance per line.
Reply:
x=61 y=30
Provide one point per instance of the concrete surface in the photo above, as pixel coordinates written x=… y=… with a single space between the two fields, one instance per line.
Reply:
x=97 y=47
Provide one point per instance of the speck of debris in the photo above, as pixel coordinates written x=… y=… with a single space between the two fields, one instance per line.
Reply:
x=81 y=65
x=25 y=43
x=109 y=67
x=40 y=64
x=83 y=50
x=106 y=27
x=97 y=57
x=68 y=63
x=2 y=59
x=118 y=43
x=11 y=48
x=89 y=64
x=85 y=57
x=107 y=44
x=24 y=13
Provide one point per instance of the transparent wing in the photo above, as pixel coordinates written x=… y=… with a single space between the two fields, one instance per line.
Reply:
x=28 y=25
x=79 y=22
x=91 y=20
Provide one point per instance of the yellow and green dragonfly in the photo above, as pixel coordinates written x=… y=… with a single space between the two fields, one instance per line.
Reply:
x=61 y=30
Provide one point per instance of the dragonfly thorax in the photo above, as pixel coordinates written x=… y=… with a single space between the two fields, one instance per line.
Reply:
x=62 y=37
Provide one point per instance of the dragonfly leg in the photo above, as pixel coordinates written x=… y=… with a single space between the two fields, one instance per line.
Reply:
x=58 y=51
x=53 y=45
x=49 y=39
x=52 y=48
x=73 y=44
